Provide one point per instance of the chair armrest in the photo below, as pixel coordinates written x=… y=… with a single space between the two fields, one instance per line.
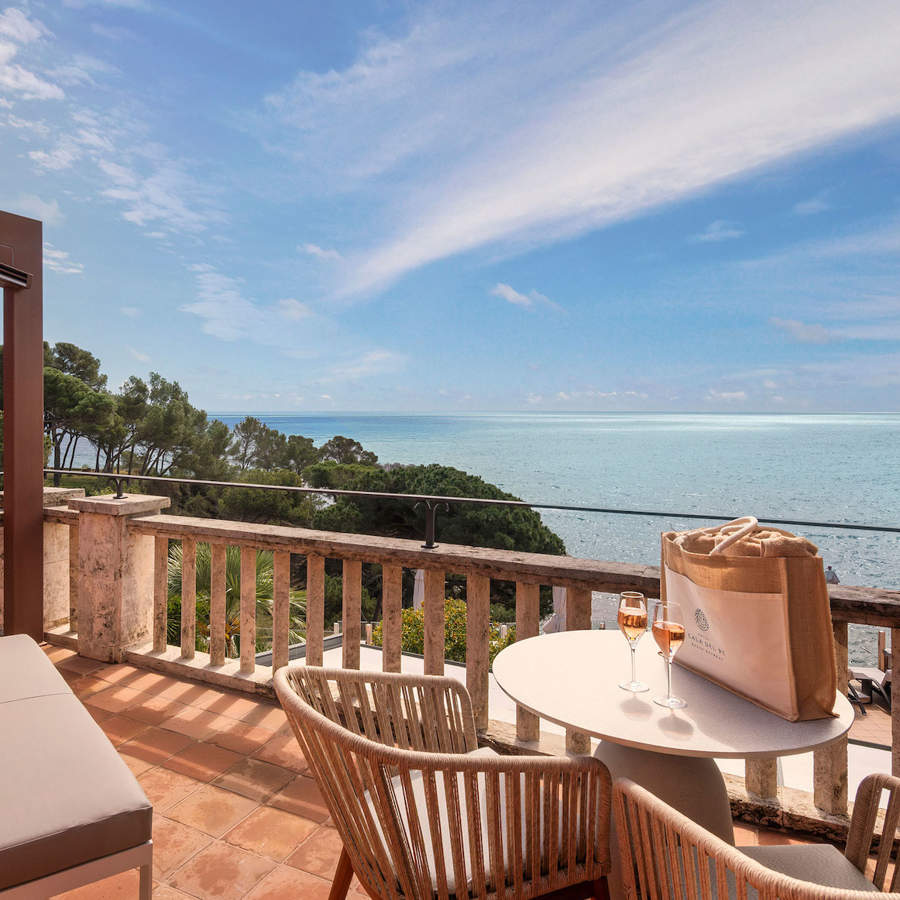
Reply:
x=862 y=826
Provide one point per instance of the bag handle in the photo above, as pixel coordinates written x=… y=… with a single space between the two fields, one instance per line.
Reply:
x=750 y=525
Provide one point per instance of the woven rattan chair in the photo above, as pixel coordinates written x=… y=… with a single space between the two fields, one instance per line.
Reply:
x=664 y=854
x=423 y=813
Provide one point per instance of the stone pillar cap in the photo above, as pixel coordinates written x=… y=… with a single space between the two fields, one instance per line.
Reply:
x=129 y=505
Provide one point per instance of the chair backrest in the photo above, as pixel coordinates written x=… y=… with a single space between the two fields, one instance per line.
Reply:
x=421 y=816
x=664 y=854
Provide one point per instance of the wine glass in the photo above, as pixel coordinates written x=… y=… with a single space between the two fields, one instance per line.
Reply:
x=632 y=621
x=668 y=631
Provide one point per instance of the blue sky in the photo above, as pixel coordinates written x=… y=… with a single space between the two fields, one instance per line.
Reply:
x=467 y=206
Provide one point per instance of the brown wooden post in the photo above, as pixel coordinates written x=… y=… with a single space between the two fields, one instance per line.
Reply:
x=21 y=247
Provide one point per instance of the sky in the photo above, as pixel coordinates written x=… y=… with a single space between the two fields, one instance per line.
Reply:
x=402 y=206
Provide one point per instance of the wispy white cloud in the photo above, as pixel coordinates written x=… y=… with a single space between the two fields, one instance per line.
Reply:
x=517 y=298
x=17 y=28
x=59 y=261
x=16 y=25
x=726 y=396
x=112 y=32
x=319 y=252
x=293 y=309
x=47 y=211
x=138 y=355
x=643 y=106
x=720 y=230
x=370 y=363
x=132 y=312
x=804 y=332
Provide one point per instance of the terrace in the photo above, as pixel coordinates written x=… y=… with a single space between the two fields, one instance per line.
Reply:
x=235 y=810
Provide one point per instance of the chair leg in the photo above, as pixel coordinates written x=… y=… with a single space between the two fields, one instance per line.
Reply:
x=343 y=875
x=146 y=886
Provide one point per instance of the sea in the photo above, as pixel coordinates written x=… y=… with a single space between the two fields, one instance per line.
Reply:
x=822 y=468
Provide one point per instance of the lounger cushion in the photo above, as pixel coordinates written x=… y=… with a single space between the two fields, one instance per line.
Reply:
x=67 y=796
x=25 y=670
x=818 y=863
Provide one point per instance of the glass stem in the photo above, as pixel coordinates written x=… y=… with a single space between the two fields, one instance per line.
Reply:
x=668 y=679
x=633 y=673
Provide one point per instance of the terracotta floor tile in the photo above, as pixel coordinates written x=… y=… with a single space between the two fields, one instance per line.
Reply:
x=85 y=686
x=137 y=766
x=232 y=705
x=115 y=698
x=302 y=798
x=120 y=673
x=202 y=761
x=766 y=837
x=120 y=728
x=265 y=715
x=123 y=886
x=174 y=843
x=165 y=788
x=240 y=737
x=56 y=655
x=155 y=744
x=182 y=691
x=208 y=697
x=283 y=750
x=223 y=872
x=164 y=892
x=212 y=810
x=153 y=710
x=194 y=722
x=285 y=883
x=271 y=832
x=318 y=853
x=80 y=664
x=254 y=779
x=99 y=715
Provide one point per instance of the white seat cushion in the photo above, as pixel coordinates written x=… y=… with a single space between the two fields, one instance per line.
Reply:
x=818 y=863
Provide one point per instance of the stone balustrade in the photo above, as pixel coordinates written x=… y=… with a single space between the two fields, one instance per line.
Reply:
x=119 y=553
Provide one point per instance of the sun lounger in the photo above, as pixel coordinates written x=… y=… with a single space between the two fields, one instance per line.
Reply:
x=72 y=812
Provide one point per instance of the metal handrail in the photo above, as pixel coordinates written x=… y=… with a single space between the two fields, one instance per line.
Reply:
x=432 y=502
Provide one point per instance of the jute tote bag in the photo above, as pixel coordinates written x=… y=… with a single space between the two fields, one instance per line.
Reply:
x=757 y=616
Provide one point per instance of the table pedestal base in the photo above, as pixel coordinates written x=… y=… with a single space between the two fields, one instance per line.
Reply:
x=692 y=785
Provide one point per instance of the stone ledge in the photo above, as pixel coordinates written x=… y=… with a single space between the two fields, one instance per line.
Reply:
x=129 y=505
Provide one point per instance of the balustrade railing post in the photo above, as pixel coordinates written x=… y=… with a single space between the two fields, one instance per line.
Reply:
x=830 y=763
x=528 y=598
x=218 y=556
x=352 y=613
x=281 y=600
x=73 y=577
x=578 y=618
x=115 y=577
x=761 y=777
x=434 y=622
x=478 y=624
x=248 y=610
x=391 y=621
x=160 y=593
x=315 y=609
x=188 y=598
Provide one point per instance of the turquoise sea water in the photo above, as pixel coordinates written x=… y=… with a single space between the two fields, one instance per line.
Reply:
x=843 y=468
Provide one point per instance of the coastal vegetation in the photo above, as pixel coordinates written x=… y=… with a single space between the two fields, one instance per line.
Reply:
x=149 y=427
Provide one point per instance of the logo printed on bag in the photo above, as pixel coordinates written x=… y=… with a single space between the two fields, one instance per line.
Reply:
x=701 y=620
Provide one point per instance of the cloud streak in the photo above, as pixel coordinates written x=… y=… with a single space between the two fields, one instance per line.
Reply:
x=643 y=107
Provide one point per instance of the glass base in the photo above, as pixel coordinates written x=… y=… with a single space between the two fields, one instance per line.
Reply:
x=636 y=687
x=670 y=702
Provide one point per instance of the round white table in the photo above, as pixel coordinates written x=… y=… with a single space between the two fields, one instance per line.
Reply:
x=572 y=678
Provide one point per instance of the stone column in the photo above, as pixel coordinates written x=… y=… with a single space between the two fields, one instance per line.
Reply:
x=115 y=574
